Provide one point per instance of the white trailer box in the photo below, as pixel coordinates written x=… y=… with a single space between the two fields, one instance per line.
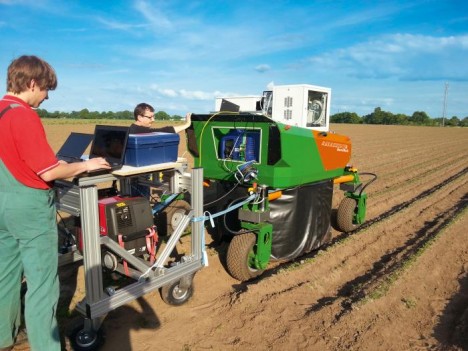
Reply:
x=302 y=105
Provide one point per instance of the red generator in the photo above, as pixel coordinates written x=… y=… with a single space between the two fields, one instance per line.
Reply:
x=129 y=222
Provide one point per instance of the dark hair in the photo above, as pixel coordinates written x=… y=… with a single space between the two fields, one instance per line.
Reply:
x=26 y=68
x=140 y=110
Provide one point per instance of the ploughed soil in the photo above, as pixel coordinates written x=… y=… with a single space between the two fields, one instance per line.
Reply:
x=399 y=282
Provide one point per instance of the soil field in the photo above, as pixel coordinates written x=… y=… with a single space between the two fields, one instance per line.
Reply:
x=399 y=282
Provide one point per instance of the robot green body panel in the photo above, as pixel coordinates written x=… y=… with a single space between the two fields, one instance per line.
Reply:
x=283 y=156
x=258 y=157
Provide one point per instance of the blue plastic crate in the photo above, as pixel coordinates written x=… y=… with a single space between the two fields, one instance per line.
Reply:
x=151 y=148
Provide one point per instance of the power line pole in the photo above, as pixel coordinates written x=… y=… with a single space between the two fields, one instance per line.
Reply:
x=445 y=104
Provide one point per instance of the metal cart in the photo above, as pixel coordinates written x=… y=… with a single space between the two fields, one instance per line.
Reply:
x=79 y=198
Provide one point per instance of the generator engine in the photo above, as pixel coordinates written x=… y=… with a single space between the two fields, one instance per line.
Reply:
x=129 y=222
x=126 y=220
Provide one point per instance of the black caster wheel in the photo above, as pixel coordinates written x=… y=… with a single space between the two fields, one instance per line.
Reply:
x=86 y=340
x=177 y=292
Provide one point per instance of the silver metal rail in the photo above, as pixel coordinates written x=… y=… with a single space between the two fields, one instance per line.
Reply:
x=98 y=300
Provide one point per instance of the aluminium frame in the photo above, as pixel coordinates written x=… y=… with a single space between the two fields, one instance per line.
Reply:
x=80 y=198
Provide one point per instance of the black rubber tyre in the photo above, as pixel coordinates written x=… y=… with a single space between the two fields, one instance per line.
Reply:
x=326 y=238
x=174 y=214
x=89 y=341
x=174 y=295
x=345 y=214
x=239 y=253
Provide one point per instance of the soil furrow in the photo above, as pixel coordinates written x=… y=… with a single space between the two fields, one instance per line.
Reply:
x=406 y=176
x=328 y=301
x=343 y=292
x=344 y=341
x=373 y=283
x=378 y=234
x=400 y=199
x=391 y=161
x=411 y=298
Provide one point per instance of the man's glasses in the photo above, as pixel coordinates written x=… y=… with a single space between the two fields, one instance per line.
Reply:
x=150 y=117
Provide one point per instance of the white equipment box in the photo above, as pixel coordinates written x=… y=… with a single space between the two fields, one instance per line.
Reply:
x=302 y=105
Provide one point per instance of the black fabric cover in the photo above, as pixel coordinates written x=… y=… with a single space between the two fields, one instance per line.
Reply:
x=300 y=218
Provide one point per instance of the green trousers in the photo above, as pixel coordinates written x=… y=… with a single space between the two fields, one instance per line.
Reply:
x=28 y=246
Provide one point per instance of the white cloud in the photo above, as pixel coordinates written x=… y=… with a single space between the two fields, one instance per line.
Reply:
x=262 y=68
x=153 y=15
x=164 y=92
x=196 y=95
x=185 y=93
x=110 y=24
x=426 y=44
x=182 y=37
x=401 y=56
x=373 y=14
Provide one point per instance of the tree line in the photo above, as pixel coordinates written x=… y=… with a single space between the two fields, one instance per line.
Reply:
x=377 y=117
x=384 y=117
x=86 y=114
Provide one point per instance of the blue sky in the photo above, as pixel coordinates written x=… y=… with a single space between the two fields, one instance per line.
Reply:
x=180 y=55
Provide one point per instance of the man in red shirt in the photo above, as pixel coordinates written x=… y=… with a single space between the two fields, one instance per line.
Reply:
x=28 y=230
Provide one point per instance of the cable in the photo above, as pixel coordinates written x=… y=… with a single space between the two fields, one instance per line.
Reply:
x=222 y=197
x=202 y=219
x=369 y=182
x=207 y=122
x=69 y=236
x=231 y=205
x=246 y=171
x=203 y=131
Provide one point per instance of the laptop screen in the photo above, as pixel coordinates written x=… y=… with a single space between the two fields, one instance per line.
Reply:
x=110 y=143
x=74 y=147
x=228 y=106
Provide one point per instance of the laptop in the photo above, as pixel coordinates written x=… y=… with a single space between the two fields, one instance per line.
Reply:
x=73 y=148
x=109 y=142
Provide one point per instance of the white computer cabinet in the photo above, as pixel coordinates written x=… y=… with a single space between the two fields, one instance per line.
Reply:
x=302 y=105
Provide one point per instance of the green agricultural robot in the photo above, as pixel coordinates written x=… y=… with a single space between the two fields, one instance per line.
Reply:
x=270 y=186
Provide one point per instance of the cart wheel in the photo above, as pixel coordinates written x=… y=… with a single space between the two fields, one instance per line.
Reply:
x=82 y=340
x=345 y=214
x=176 y=294
x=240 y=255
x=174 y=214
